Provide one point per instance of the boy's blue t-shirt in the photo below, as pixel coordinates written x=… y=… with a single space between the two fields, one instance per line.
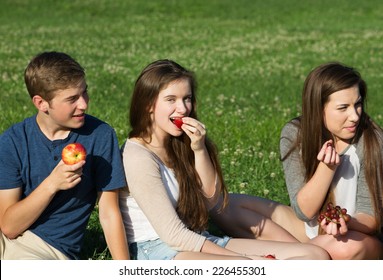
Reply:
x=27 y=157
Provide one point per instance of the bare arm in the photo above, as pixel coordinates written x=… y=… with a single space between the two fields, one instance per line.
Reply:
x=146 y=186
x=17 y=215
x=306 y=197
x=112 y=225
x=363 y=223
x=312 y=195
x=203 y=164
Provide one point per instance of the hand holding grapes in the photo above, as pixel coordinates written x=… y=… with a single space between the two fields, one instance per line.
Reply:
x=334 y=220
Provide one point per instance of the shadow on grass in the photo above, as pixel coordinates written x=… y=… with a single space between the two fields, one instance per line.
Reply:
x=95 y=248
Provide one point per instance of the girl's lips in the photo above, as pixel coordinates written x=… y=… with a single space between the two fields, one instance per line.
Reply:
x=351 y=128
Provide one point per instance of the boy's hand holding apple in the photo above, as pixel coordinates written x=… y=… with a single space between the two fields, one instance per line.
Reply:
x=67 y=174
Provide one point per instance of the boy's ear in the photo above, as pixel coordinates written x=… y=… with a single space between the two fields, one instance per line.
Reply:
x=40 y=103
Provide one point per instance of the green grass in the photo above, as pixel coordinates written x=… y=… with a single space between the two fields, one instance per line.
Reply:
x=250 y=58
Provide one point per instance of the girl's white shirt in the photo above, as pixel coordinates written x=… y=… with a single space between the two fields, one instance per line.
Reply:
x=143 y=230
x=344 y=184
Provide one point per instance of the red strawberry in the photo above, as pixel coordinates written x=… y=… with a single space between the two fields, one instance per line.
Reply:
x=178 y=122
x=269 y=256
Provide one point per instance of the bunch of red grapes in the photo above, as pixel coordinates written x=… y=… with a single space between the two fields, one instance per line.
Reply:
x=333 y=214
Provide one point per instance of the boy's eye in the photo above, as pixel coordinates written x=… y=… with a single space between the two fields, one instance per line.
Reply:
x=73 y=99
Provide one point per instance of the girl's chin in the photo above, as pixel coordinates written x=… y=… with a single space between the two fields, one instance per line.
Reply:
x=176 y=134
x=346 y=139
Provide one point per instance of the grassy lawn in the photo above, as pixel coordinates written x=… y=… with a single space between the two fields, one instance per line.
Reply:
x=250 y=57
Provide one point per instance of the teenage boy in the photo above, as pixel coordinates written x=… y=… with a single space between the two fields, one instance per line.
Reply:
x=45 y=204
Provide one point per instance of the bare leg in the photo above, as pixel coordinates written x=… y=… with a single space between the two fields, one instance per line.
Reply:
x=281 y=250
x=257 y=249
x=255 y=217
x=353 y=246
x=205 y=256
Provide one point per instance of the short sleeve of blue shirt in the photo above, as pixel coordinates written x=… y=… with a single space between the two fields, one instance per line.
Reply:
x=27 y=157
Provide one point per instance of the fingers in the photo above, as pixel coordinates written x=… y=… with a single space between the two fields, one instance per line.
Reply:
x=325 y=226
x=343 y=229
x=200 y=132
x=331 y=228
x=74 y=172
x=322 y=152
x=196 y=131
x=194 y=127
x=334 y=228
x=66 y=176
x=328 y=154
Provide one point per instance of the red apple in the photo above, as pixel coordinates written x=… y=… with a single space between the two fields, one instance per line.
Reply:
x=73 y=153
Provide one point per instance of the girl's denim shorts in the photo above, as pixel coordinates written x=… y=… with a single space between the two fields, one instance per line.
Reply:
x=159 y=250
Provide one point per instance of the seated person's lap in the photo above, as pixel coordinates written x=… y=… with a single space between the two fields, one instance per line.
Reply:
x=159 y=250
x=28 y=246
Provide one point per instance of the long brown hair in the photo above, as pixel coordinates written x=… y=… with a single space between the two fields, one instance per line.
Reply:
x=319 y=85
x=191 y=206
